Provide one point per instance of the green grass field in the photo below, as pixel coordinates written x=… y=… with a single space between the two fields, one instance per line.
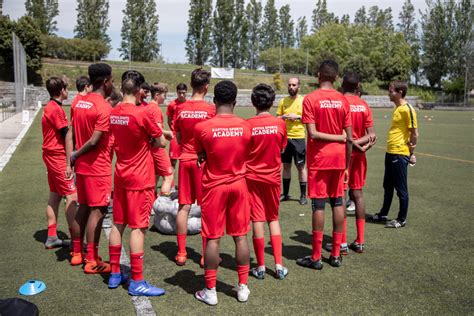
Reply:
x=424 y=268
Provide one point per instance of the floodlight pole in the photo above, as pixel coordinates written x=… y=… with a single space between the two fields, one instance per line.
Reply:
x=280 y=59
x=129 y=52
x=307 y=56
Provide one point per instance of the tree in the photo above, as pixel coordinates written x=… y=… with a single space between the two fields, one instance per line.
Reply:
x=239 y=41
x=93 y=20
x=198 y=43
x=140 y=31
x=270 y=35
x=301 y=30
x=43 y=13
x=253 y=14
x=286 y=26
x=360 y=17
x=221 y=32
x=408 y=27
x=380 y=18
x=321 y=16
x=345 y=19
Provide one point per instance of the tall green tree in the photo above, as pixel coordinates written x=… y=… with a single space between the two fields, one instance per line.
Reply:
x=239 y=41
x=360 y=16
x=408 y=27
x=43 y=13
x=253 y=14
x=198 y=40
x=140 y=31
x=301 y=30
x=287 y=37
x=321 y=16
x=93 y=20
x=270 y=34
x=345 y=19
x=222 y=32
x=463 y=39
x=380 y=18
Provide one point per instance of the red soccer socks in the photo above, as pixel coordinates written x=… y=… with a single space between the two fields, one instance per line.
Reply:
x=277 y=248
x=114 y=255
x=317 y=245
x=136 y=264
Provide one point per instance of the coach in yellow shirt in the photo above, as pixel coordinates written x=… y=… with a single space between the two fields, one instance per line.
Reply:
x=290 y=109
x=401 y=143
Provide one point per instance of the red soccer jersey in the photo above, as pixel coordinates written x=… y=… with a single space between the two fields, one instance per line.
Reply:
x=361 y=116
x=187 y=115
x=133 y=127
x=156 y=111
x=329 y=111
x=268 y=141
x=225 y=140
x=77 y=98
x=90 y=114
x=53 y=120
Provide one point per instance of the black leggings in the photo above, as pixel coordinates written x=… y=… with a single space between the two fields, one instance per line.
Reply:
x=395 y=177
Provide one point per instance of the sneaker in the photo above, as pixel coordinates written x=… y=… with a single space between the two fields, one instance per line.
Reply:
x=281 y=272
x=143 y=288
x=344 y=249
x=243 y=292
x=394 y=223
x=335 y=261
x=284 y=198
x=94 y=267
x=350 y=207
x=76 y=258
x=355 y=246
x=377 y=218
x=308 y=262
x=303 y=200
x=180 y=259
x=55 y=242
x=258 y=272
x=208 y=296
x=117 y=279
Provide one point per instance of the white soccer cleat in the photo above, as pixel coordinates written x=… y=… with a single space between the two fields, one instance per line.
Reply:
x=208 y=296
x=243 y=292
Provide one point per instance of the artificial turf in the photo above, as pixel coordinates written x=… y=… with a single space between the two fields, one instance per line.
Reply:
x=425 y=267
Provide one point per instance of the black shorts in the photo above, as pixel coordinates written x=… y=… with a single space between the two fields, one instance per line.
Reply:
x=296 y=149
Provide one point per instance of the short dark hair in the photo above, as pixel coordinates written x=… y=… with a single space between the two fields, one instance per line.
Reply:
x=400 y=86
x=145 y=86
x=115 y=97
x=135 y=75
x=54 y=85
x=181 y=86
x=98 y=73
x=82 y=82
x=225 y=92
x=199 y=78
x=263 y=96
x=158 y=88
x=131 y=81
x=328 y=70
x=350 y=82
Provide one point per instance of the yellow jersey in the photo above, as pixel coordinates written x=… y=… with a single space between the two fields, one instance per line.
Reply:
x=288 y=105
x=403 y=118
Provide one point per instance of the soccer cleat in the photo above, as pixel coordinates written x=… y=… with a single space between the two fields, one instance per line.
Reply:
x=76 y=258
x=394 y=223
x=243 y=292
x=308 y=262
x=284 y=198
x=117 y=279
x=350 y=207
x=94 y=267
x=335 y=261
x=180 y=259
x=143 y=288
x=344 y=249
x=355 y=246
x=55 y=242
x=281 y=273
x=208 y=296
x=303 y=200
x=258 y=272
x=377 y=218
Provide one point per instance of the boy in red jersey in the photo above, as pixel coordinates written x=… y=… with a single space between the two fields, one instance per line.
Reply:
x=92 y=161
x=161 y=158
x=135 y=131
x=223 y=143
x=263 y=177
x=187 y=115
x=144 y=91
x=55 y=126
x=181 y=90
x=327 y=117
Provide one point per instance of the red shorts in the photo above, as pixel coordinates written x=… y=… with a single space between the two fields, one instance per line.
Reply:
x=56 y=167
x=162 y=163
x=93 y=191
x=357 y=171
x=175 y=149
x=264 y=201
x=325 y=184
x=133 y=207
x=190 y=185
x=225 y=207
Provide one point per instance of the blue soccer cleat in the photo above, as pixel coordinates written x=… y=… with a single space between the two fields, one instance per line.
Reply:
x=142 y=288
x=117 y=279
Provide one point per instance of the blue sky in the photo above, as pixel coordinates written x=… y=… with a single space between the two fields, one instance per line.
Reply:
x=174 y=13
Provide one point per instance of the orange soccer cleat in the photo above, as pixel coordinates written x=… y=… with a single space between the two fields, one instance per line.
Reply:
x=94 y=267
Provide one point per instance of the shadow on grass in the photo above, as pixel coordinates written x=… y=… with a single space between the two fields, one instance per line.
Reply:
x=305 y=238
x=170 y=249
x=63 y=253
x=183 y=280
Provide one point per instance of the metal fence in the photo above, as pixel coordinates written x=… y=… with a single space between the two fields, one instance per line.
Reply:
x=21 y=79
x=7 y=110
